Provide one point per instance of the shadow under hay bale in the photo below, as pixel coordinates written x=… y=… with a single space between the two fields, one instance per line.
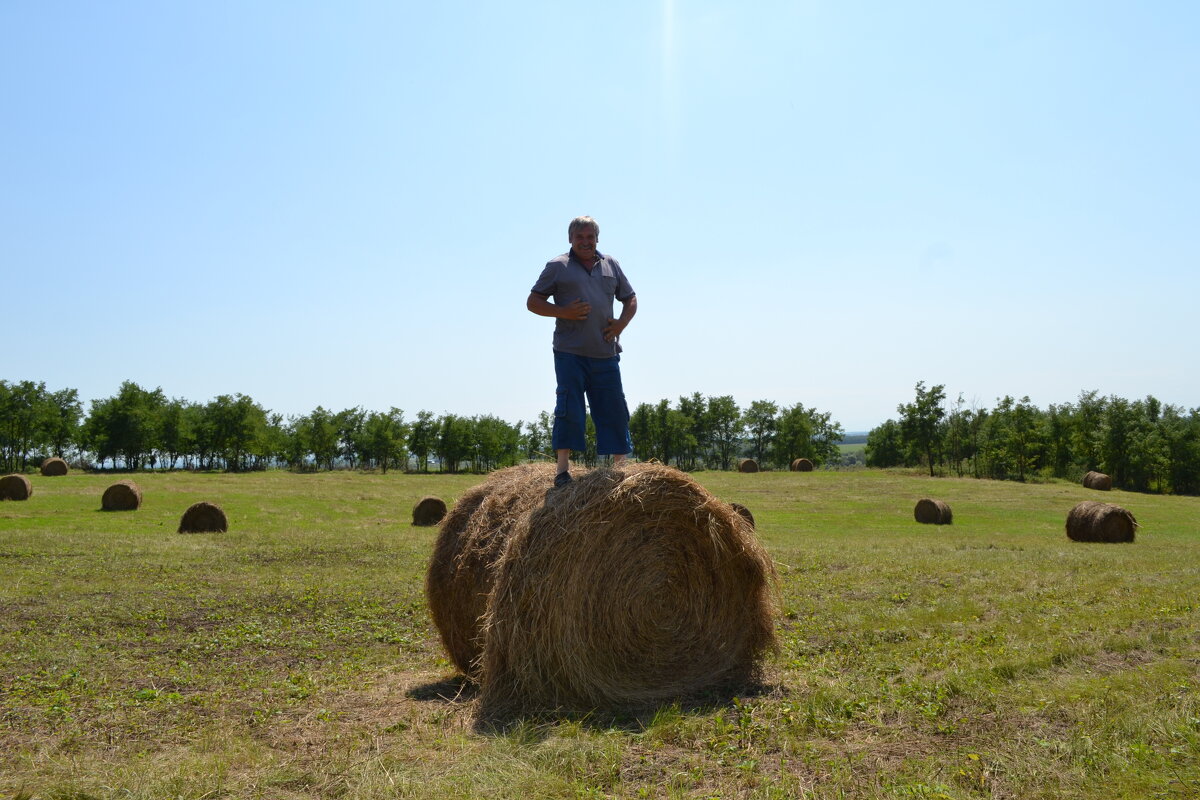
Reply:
x=802 y=465
x=54 y=467
x=15 y=487
x=1097 y=480
x=933 y=512
x=471 y=539
x=429 y=511
x=1093 y=521
x=121 y=496
x=203 y=517
x=747 y=465
x=745 y=512
x=631 y=587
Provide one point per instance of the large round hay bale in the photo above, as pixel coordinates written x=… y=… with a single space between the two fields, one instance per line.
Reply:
x=747 y=465
x=745 y=512
x=933 y=512
x=471 y=539
x=802 y=465
x=632 y=586
x=121 y=496
x=1097 y=480
x=15 y=487
x=429 y=511
x=54 y=467
x=203 y=517
x=1093 y=521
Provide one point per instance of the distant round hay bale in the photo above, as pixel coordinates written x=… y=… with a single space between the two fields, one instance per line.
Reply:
x=121 y=496
x=933 y=512
x=1093 y=521
x=429 y=511
x=1097 y=480
x=747 y=465
x=15 y=487
x=802 y=465
x=203 y=517
x=632 y=587
x=54 y=467
x=745 y=512
x=471 y=539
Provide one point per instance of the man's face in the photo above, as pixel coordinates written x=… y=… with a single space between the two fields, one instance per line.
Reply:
x=583 y=242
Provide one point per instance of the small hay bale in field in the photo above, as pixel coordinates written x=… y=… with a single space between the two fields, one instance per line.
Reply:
x=631 y=587
x=203 y=517
x=1093 y=521
x=429 y=511
x=933 y=512
x=121 y=496
x=747 y=465
x=802 y=465
x=54 y=467
x=745 y=512
x=15 y=487
x=1097 y=480
x=471 y=538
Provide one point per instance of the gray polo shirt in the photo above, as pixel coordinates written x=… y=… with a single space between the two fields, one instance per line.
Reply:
x=566 y=279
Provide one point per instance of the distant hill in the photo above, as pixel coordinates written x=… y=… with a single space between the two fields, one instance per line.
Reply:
x=854 y=437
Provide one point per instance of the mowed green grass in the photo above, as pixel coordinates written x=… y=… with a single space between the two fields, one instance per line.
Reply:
x=293 y=656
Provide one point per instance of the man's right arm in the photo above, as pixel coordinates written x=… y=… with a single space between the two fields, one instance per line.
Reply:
x=541 y=306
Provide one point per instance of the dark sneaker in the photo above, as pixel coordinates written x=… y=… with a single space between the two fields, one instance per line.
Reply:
x=562 y=479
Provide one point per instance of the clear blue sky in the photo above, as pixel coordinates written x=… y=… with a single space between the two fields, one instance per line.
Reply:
x=345 y=204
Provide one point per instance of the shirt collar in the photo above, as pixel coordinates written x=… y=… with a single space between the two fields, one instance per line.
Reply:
x=572 y=257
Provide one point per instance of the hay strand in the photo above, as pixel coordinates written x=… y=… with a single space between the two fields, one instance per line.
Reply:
x=1093 y=521
x=1097 y=480
x=121 y=496
x=54 y=467
x=428 y=511
x=203 y=517
x=802 y=465
x=747 y=465
x=15 y=487
x=933 y=512
x=628 y=587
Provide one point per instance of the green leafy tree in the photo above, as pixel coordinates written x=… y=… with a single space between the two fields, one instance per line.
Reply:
x=23 y=414
x=725 y=423
x=643 y=429
x=760 y=423
x=885 y=445
x=422 y=438
x=126 y=426
x=383 y=439
x=699 y=441
x=794 y=437
x=920 y=419
x=455 y=441
x=496 y=443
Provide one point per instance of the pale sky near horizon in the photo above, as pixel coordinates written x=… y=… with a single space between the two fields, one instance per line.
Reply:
x=818 y=202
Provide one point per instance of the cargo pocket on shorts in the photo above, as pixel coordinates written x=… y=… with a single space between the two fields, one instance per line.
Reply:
x=560 y=404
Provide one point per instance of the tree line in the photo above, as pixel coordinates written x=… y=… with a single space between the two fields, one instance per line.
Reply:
x=1144 y=445
x=140 y=428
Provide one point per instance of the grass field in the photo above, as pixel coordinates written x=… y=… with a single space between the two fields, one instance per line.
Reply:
x=293 y=656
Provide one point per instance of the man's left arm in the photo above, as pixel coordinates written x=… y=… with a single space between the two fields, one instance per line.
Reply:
x=615 y=326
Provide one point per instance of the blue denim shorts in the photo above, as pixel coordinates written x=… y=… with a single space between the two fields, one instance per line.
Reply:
x=599 y=380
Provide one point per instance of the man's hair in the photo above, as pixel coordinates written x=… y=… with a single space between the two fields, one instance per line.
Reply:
x=582 y=222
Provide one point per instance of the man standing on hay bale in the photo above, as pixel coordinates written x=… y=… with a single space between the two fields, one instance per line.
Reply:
x=584 y=283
